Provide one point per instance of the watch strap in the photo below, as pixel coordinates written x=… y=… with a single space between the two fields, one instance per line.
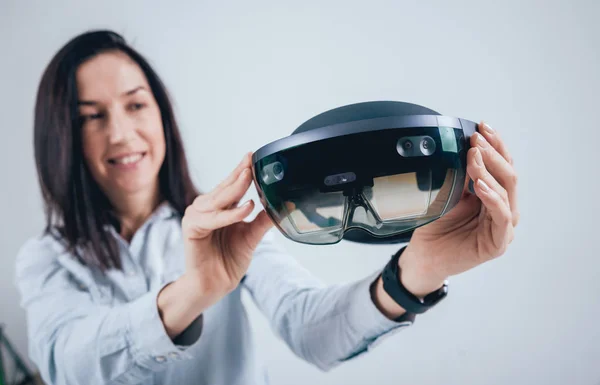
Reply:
x=393 y=286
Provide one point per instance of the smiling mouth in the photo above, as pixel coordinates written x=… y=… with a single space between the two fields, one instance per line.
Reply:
x=128 y=159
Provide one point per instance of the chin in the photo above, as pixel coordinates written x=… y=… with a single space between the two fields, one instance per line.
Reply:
x=136 y=186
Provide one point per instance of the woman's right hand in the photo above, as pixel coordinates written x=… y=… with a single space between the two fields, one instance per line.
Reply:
x=218 y=245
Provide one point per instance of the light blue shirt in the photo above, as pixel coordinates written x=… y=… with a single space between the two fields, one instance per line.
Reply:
x=86 y=327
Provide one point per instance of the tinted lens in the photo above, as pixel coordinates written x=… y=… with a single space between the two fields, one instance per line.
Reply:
x=398 y=196
x=315 y=212
x=314 y=194
x=399 y=203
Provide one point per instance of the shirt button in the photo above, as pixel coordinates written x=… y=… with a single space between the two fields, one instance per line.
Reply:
x=174 y=355
x=160 y=359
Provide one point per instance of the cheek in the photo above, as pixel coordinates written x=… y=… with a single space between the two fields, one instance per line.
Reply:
x=159 y=144
x=156 y=137
x=92 y=152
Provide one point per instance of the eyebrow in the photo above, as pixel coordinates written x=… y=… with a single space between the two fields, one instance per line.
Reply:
x=127 y=93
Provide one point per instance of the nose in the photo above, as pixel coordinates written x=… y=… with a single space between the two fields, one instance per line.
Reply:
x=120 y=128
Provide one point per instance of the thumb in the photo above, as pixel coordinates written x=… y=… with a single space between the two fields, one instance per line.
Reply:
x=258 y=227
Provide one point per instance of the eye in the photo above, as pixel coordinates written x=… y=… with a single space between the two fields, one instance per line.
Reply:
x=136 y=106
x=85 y=118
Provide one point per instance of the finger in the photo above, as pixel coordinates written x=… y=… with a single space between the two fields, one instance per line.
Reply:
x=227 y=197
x=493 y=197
x=476 y=168
x=501 y=170
x=493 y=137
x=501 y=227
x=231 y=178
x=205 y=222
x=258 y=227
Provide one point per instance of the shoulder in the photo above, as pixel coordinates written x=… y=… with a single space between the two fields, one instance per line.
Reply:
x=39 y=253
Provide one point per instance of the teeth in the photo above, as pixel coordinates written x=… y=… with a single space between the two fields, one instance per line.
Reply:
x=128 y=159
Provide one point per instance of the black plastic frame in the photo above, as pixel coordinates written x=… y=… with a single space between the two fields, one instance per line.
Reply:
x=341 y=129
x=359 y=126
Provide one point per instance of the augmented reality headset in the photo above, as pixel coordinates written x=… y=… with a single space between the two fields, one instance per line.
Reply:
x=369 y=172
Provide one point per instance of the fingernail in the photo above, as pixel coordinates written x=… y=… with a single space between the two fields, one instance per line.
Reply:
x=488 y=128
x=243 y=173
x=481 y=142
x=482 y=185
x=247 y=203
x=478 y=158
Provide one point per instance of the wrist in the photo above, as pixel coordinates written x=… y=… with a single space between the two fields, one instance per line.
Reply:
x=197 y=293
x=179 y=304
x=386 y=304
x=416 y=276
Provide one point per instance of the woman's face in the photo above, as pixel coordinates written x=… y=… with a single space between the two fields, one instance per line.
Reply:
x=122 y=131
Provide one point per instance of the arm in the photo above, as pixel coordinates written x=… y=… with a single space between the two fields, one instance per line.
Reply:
x=327 y=325
x=76 y=341
x=415 y=277
x=324 y=325
x=478 y=229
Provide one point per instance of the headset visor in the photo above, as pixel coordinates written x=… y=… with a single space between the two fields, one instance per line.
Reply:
x=384 y=181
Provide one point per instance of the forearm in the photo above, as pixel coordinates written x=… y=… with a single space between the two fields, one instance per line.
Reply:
x=86 y=343
x=179 y=305
x=324 y=325
x=417 y=278
x=328 y=325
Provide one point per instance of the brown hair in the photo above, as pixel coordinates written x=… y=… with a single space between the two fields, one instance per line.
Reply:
x=74 y=203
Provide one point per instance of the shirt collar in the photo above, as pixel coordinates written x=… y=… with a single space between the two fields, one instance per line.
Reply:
x=165 y=211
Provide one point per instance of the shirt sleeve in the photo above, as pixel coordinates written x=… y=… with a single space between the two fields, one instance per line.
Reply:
x=324 y=325
x=73 y=340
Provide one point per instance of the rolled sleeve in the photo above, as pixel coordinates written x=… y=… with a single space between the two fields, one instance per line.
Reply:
x=150 y=344
x=76 y=341
x=324 y=325
x=366 y=319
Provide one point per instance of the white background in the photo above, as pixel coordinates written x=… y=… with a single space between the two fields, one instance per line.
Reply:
x=245 y=73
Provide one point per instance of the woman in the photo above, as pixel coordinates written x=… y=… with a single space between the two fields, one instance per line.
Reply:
x=137 y=277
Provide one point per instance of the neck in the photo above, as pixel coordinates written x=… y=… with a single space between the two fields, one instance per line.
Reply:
x=134 y=209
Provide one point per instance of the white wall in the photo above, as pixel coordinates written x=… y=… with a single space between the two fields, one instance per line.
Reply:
x=245 y=73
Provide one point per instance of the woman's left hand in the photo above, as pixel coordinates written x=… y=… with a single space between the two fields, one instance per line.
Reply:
x=479 y=228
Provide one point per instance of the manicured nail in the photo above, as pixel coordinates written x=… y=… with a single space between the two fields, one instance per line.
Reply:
x=482 y=185
x=481 y=142
x=488 y=128
x=478 y=158
x=243 y=173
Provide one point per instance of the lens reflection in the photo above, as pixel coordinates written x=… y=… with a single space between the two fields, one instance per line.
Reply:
x=316 y=211
x=399 y=196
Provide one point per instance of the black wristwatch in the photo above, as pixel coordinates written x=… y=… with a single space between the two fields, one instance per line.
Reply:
x=404 y=298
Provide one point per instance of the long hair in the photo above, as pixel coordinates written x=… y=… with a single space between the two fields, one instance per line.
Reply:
x=74 y=203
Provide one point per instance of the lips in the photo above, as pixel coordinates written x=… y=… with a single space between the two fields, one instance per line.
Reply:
x=127 y=160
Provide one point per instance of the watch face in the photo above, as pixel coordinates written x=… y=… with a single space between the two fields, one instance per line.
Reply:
x=433 y=298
